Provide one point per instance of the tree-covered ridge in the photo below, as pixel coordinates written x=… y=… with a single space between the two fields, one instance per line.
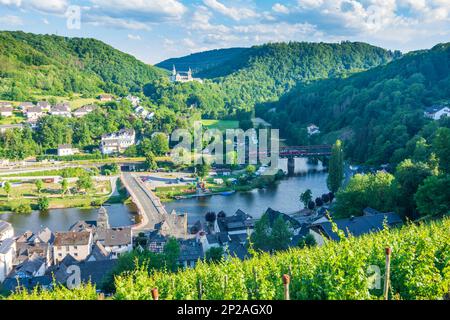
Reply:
x=264 y=73
x=55 y=65
x=201 y=61
x=420 y=269
x=379 y=113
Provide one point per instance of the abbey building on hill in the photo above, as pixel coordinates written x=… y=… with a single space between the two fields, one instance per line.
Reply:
x=183 y=76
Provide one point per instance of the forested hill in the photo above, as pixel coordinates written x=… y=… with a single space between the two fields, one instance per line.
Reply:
x=263 y=73
x=378 y=112
x=201 y=61
x=49 y=64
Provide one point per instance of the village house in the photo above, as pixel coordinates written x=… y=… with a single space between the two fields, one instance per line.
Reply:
x=312 y=129
x=371 y=221
x=133 y=99
x=61 y=109
x=76 y=244
x=29 y=244
x=116 y=241
x=239 y=224
x=34 y=113
x=6 y=230
x=24 y=106
x=191 y=252
x=66 y=150
x=84 y=110
x=35 y=266
x=5 y=104
x=437 y=112
x=7 y=249
x=117 y=142
x=44 y=105
x=105 y=97
x=6 y=111
x=5 y=127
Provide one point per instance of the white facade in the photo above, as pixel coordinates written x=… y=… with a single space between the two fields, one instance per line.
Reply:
x=6 y=111
x=183 y=76
x=117 y=142
x=66 y=150
x=7 y=249
x=312 y=129
x=79 y=249
x=444 y=112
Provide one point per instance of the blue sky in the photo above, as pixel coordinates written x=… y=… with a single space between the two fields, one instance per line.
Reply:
x=153 y=30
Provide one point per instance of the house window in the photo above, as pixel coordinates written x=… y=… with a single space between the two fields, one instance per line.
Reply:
x=67 y=248
x=75 y=247
x=76 y=254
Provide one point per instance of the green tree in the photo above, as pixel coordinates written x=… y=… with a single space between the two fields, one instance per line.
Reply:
x=250 y=169
x=441 y=146
x=39 y=185
x=43 y=203
x=7 y=187
x=336 y=167
x=281 y=234
x=160 y=144
x=433 y=196
x=202 y=170
x=214 y=254
x=23 y=208
x=261 y=236
x=368 y=190
x=85 y=183
x=408 y=177
x=171 y=254
x=64 y=186
x=150 y=162
x=307 y=241
x=306 y=197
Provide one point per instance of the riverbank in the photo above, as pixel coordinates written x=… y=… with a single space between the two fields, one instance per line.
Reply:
x=24 y=194
x=218 y=185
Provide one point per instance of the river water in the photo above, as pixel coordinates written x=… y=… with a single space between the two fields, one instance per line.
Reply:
x=284 y=197
x=63 y=219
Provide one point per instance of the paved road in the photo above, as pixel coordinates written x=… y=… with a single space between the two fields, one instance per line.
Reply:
x=149 y=206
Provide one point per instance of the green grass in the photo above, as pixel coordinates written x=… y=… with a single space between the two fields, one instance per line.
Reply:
x=220 y=124
x=16 y=118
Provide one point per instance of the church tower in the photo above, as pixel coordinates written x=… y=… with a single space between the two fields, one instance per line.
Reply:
x=102 y=219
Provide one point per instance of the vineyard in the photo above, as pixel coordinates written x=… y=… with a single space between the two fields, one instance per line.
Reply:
x=420 y=269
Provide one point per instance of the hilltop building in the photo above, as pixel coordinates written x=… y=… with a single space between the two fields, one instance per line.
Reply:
x=183 y=76
x=437 y=112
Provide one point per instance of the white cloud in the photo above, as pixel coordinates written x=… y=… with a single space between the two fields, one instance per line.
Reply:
x=231 y=12
x=11 y=2
x=106 y=21
x=143 y=8
x=279 y=8
x=310 y=4
x=45 y=21
x=11 y=20
x=201 y=21
x=51 y=6
x=134 y=37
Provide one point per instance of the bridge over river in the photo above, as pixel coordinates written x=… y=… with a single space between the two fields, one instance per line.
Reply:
x=153 y=213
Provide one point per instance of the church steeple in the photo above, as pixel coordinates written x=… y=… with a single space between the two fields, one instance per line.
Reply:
x=102 y=219
x=174 y=71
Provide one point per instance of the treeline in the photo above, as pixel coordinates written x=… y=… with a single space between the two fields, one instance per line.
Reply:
x=263 y=73
x=85 y=132
x=418 y=187
x=54 y=65
x=379 y=113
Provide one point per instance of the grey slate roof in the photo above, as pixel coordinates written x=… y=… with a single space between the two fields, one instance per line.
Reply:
x=273 y=215
x=6 y=245
x=11 y=283
x=115 y=236
x=360 y=225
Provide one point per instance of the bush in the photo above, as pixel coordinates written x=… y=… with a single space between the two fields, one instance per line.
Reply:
x=22 y=208
x=43 y=203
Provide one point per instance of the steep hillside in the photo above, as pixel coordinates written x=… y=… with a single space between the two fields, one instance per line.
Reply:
x=379 y=112
x=264 y=73
x=199 y=62
x=49 y=64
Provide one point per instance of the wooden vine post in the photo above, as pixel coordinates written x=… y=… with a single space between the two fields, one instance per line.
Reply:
x=387 y=274
x=286 y=280
x=155 y=294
